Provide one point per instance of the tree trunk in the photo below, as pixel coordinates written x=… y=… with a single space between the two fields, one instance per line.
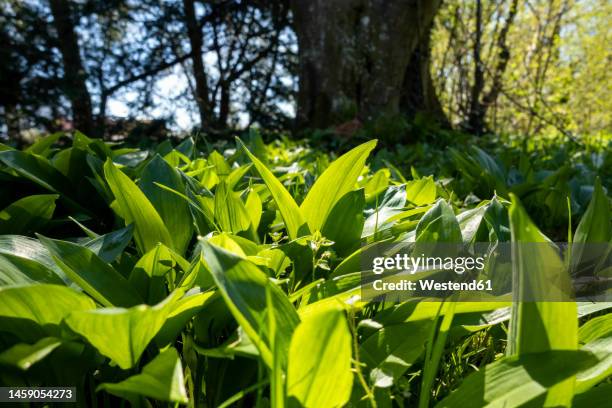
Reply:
x=355 y=58
x=201 y=82
x=418 y=92
x=476 y=115
x=74 y=73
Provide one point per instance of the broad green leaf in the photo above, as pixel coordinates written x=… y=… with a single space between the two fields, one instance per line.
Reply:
x=160 y=260
x=254 y=207
x=20 y=250
x=148 y=276
x=230 y=213
x=18 y=271
x=596 y=334
x=223 y=169
x=594 y=227
x=227 y=242
x=109 y=246
x=201 y=206
x=377 y=183
x=100 y=280
x=182 y=311
x=596 y=328
x=186 y=147
x=149 y=229
x=602 y=349
x=161 y=379
x=426 y=309
x=121 y=334
x=393 y=349
x=237 y=174
x=294 y=221
x=319 y=370
x=27 y=214
x=345 y=222
x=243 y=287
x=439 y=224
x=540 y=326
x=341 y=288
x=595 y=223
x=337 y=180
x=422 y=191
x=513 y=381
x=496 y=217
x=173 y=210
x=42 y=145
x=37 y=169
x=23 y=355
x=34 y=310
x=391 y=204
x=595 y=397
x=471 y=223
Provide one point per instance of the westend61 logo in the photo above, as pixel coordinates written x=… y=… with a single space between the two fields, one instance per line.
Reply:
x=485 y=272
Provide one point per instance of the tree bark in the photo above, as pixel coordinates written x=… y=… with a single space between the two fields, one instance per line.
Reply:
x=201 y=81
x=74 y=72
x=476 y=115
x=418 y=92
x=355 y=57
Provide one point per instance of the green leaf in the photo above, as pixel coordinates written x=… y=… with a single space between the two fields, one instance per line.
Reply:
x=17 y=271
x=161 y=379
x=109 y=246
x=597 y=334
x=513 y=381
x=540 y=326
x=223 y=169
x=496 y=217
x=42 y=145
x=391 y=204
x=422 y=191
x=595 y=397
x=237 y=174
x=173 y=210
x=595 y=223
x=294 y=221
x=182 y=311
x=319 y=370
x=345 y=222
x=149 y=229
x=243 y=287
x=602 y=349
x=337 y=180
x=27 y=214
x=32 y=311
x=594 y=227
x=377 y=183
x=26 y=259
x=254 y=207
x=23 y=355
x=148 y=276
x=596 y=328
x=121 y=334
x=422 y=309
x=37 y=169
x=230 y=212
x=439 y=224
x=393 y=349
x=100 y=280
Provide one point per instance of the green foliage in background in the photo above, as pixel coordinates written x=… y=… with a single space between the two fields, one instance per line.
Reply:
x=229 y=275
